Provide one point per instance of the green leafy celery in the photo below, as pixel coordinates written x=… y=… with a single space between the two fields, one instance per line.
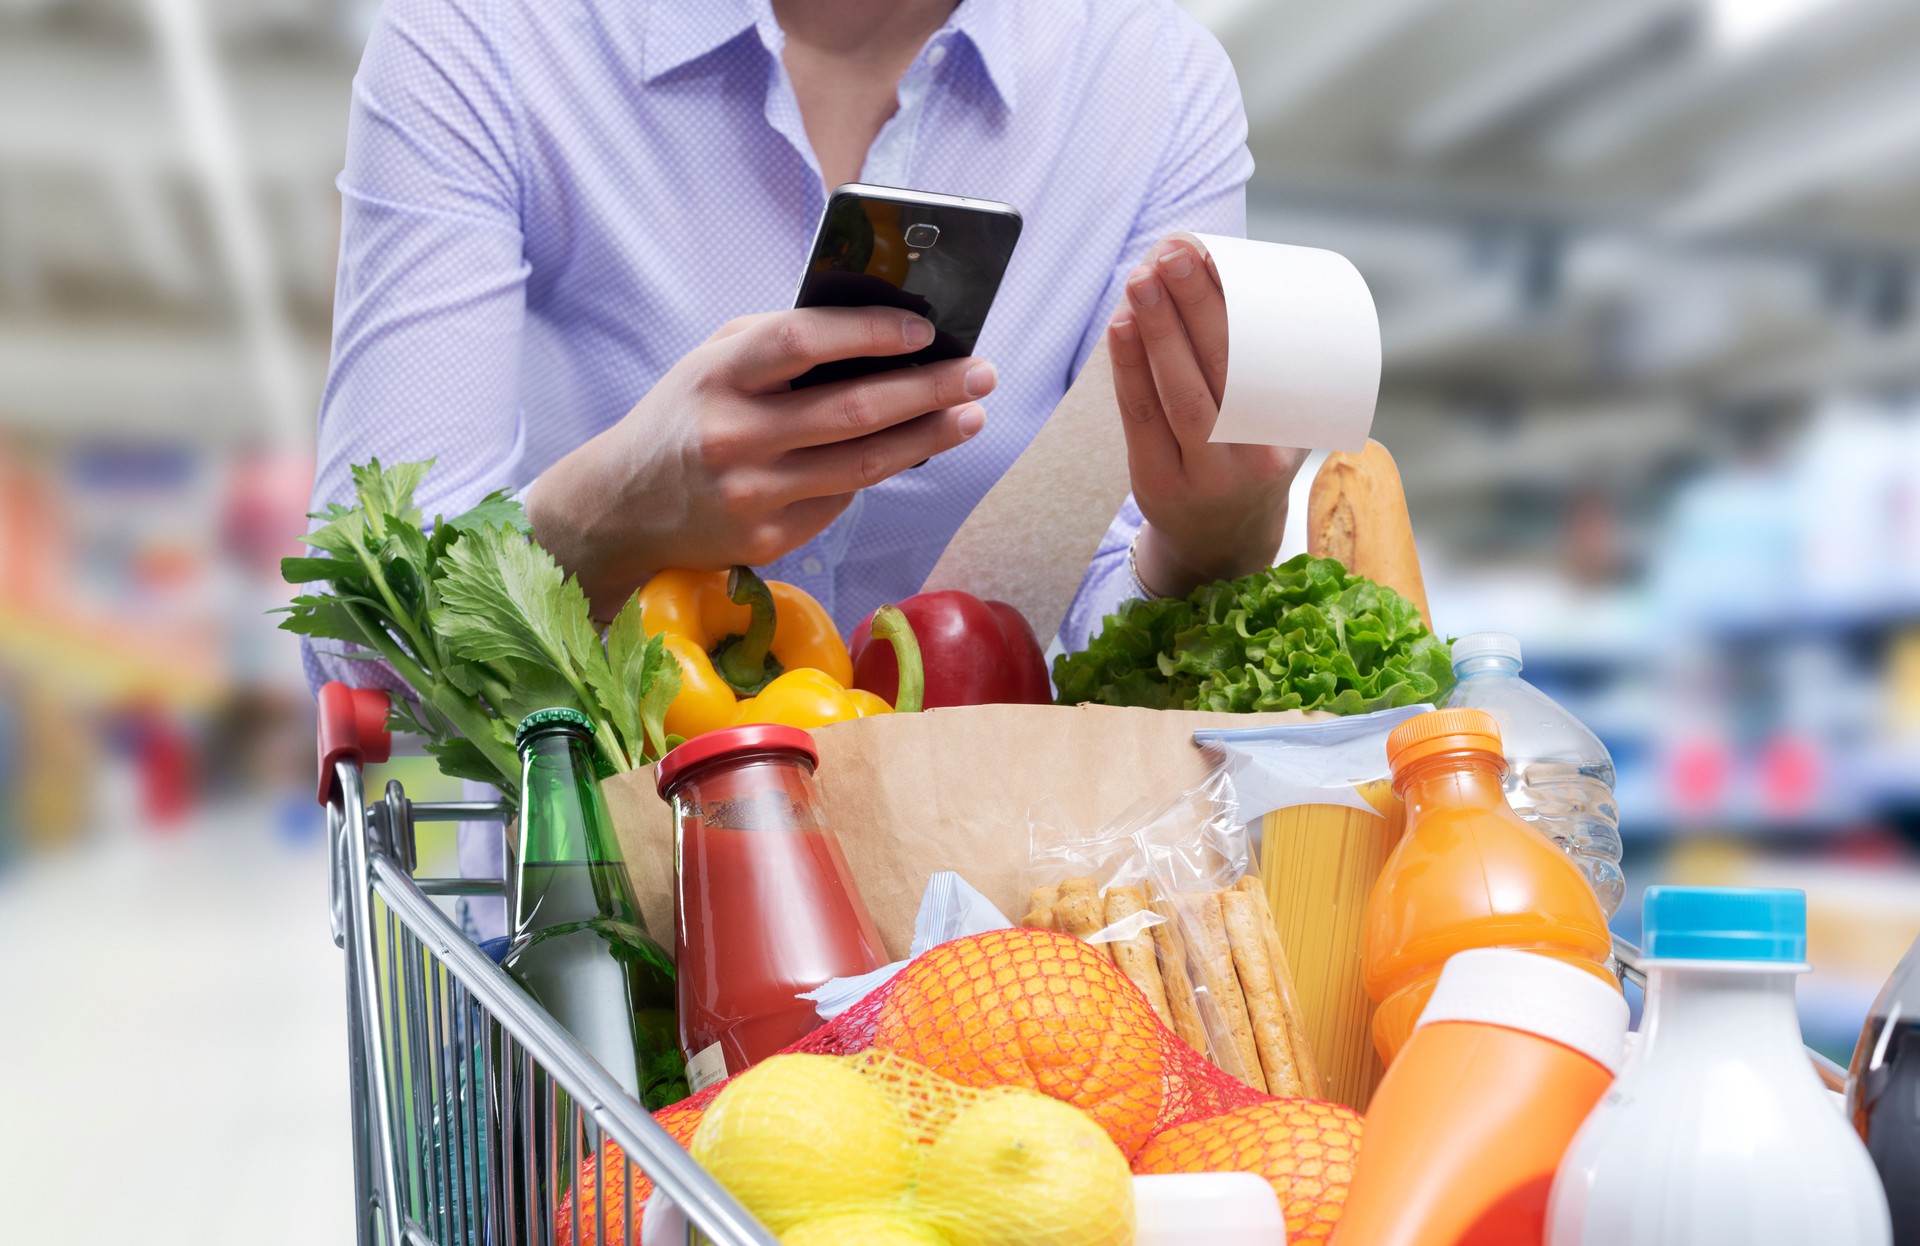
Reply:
x=481 y=623
x=1304 y=635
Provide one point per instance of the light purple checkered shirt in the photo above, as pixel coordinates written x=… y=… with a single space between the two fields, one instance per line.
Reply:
x=545 y=205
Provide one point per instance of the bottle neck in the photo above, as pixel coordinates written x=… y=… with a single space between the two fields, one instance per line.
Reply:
x=1462 y=776
x=1487 y=664
x=563 y=817
x=1746 y=1007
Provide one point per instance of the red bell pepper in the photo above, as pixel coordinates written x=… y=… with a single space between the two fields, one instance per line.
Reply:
x=975 y=653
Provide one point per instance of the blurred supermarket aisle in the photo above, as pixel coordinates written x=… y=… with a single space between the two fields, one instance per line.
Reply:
x=173 y=1060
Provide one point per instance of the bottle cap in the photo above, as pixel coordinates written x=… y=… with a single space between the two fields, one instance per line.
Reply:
x=550 y=718
x=1534 y=994
x=1442 y=731
x=714 y=745
x=1485 y=645
x=1766 y=924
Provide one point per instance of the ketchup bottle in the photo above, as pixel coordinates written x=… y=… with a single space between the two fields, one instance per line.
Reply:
x=766 y=907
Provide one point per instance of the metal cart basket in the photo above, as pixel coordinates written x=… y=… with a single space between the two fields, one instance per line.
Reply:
x=471 y=1107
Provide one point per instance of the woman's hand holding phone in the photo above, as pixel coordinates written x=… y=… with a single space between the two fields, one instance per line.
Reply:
x=722 y=463
x=1212 y=510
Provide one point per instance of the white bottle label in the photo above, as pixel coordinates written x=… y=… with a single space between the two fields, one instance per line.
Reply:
x=708 y=1067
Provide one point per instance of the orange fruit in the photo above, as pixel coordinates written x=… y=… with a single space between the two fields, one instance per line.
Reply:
x=1303 y=1147
x=1036 y=1009
x=679 y=1120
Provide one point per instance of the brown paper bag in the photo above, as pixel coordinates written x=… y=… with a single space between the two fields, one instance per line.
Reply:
x=952 y=789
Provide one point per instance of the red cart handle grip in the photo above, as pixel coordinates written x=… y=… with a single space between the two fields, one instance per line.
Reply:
x=353 y=723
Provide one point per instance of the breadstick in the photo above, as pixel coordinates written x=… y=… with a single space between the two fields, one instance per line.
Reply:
x=1044 y=897
x=1173 y=976
x=1312 y=1086
x=1041 y=919
x=1264 y=1008
x=1215 y=959
x=1135 y=956
x=1357 y=513
x=1079 y=910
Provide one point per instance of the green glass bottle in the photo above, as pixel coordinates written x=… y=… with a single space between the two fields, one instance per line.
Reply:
x=579 y=944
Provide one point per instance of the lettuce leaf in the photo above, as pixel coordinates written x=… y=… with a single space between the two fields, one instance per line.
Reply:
x=1305 y=635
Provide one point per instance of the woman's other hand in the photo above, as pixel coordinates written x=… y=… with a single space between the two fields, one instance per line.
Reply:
x=1213 y=510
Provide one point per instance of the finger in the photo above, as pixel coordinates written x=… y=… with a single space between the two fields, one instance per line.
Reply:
x=849 y=466
x=1152 y=453
x=1183 y=269
x=763 y=357
x=1184 y=396
x=845 y=410
x=739 y=324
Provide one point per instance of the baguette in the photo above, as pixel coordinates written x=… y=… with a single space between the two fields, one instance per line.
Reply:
x=1215 y=958
x=1135 y=956
x=1357 y=513
x=1312 y=1085
x=1179 y=986
x=1265 y=1008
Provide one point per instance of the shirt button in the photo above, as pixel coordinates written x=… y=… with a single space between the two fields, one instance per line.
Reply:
x=938 y=54
x=812 y=565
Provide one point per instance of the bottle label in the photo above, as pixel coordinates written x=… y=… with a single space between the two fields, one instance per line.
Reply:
x=707 y=1067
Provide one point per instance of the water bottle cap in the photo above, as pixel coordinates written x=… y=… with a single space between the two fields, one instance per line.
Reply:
x=1536 y=995
x=1766 y=924
x=1485 y=645
x=1442 y=731
x=554 y=716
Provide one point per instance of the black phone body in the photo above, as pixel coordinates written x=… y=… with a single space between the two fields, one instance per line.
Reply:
x=939 y=256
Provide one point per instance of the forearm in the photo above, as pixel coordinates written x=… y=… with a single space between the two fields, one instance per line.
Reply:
x=1238 y=549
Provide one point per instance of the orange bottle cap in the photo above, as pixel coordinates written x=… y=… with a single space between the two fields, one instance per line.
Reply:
x=1442 y=731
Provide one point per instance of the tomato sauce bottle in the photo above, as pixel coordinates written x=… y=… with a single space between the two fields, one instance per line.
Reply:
x=765 y=906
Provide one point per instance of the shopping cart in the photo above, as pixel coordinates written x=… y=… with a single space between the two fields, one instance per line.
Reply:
x=471 y=1107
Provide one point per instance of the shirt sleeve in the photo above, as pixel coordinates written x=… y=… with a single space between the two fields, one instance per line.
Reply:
x=430 y=294
x=1201 y=185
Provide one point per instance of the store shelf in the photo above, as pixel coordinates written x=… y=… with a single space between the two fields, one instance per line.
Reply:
x=114 y=662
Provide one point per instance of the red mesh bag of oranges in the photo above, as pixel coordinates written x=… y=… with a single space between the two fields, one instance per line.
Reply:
x=1038 y=1011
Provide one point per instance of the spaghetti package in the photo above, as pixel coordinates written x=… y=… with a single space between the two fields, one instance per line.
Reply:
x=1170 y=892
x=1326 y=818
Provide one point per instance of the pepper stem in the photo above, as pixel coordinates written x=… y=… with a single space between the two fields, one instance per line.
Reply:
x=890 y=625
x=746 y=662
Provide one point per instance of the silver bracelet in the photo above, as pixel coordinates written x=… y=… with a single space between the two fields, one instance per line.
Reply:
x=1140 y=588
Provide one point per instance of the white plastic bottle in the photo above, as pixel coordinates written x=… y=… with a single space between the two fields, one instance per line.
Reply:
x=1559 y=776
x=1719 y=1131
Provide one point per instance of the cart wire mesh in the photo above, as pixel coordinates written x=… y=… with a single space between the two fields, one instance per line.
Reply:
x=472 y=1110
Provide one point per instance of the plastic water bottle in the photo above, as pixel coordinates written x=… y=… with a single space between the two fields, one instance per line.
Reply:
x=1559 y=775
x=1718 y=1131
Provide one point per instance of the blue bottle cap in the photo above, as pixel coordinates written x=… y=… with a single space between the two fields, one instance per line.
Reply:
x=1725 y=923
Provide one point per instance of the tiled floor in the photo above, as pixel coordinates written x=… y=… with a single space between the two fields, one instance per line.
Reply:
x=172 y=1043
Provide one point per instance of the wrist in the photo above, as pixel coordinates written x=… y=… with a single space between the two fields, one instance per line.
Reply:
x=1167 y=571
x=560 y=511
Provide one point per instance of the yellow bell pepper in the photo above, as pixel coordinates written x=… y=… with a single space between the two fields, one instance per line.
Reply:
x=809 y=699
x=739 y=639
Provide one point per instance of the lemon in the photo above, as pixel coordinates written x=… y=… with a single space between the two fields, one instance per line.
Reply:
x=865 y=1228
x=800 y=1137
x=1020 y=1169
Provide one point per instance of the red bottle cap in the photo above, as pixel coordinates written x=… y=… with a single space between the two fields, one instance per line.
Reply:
x=752 y=738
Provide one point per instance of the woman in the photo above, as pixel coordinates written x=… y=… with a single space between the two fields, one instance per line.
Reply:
x=569 y=226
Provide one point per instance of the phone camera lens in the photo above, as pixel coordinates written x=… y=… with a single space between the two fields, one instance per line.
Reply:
x=922 y=236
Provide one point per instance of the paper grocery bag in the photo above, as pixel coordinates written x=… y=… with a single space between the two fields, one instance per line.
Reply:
x=953 y=789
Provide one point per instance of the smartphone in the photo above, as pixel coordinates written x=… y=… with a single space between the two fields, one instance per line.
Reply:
x=939 y=256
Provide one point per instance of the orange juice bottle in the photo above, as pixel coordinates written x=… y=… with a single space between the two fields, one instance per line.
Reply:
x=1469 y=873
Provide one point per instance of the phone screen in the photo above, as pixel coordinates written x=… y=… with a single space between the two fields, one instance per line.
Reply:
x=941 y=261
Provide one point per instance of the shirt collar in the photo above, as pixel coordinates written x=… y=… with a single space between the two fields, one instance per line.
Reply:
x=678 y=32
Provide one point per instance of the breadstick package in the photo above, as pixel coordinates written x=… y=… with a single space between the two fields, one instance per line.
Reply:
x=1171 y=892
